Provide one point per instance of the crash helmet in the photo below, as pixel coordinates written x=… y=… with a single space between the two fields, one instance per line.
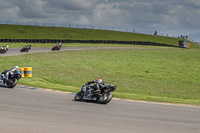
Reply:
x=99 y=81
x=16 y=67
x=7 y=46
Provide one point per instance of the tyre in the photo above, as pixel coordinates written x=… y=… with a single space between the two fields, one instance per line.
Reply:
x=12 y=84
x=79 y=96
x=104 y=98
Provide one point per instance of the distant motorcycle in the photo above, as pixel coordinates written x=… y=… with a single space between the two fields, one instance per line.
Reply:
x=12 y=79
x=57 y=47
x=4 y=49
x=26 y=48
x=103 y=97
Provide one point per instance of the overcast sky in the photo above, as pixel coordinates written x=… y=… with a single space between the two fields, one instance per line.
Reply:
x=173 y=17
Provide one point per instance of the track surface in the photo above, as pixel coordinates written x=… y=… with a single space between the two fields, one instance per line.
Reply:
x=37 y=111
x=25 y=110
x=16 y=51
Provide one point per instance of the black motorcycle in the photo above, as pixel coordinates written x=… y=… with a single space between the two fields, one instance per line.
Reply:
x=11 y=81
x=102 y=97
x=26 y=48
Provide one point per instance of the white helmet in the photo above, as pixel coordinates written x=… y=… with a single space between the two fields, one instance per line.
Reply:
x=16 y=67
x=99 y=80
x=7 y=46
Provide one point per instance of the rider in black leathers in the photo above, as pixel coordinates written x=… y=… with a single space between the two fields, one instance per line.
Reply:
x=27 y=47
x=98 y=85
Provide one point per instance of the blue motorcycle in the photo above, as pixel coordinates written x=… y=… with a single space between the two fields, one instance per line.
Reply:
x=12 y=79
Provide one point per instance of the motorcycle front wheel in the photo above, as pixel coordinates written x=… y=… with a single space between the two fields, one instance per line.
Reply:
x=12 y=84
x=79 y=96
x=104 y=98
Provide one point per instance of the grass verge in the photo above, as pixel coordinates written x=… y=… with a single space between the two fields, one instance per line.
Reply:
x=160 y=74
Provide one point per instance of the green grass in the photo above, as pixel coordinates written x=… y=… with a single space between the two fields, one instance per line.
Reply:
x=158 y=74
x=36 y=32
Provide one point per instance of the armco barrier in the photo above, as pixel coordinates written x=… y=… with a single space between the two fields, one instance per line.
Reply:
x=83 y=41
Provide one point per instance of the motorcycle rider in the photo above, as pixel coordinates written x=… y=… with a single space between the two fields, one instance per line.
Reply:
x=6 y=73
x=98 y=85
x=5 y=48
x=2 y=48
x=27 y=47
x=60 y=44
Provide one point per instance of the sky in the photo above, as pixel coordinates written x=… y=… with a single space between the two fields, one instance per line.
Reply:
x=168 y=17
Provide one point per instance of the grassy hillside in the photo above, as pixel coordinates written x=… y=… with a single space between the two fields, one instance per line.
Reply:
x=36 y=32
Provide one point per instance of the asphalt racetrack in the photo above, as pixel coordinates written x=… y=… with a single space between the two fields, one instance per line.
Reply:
x=16 y=51
x=35 y=110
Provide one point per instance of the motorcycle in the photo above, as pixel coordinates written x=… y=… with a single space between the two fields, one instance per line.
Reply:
x=12 y=79
x=57 y=47
x=26 y=48
x=4 y=49
x=102 y=97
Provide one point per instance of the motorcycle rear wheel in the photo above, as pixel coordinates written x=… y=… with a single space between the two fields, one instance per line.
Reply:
x=3 y=52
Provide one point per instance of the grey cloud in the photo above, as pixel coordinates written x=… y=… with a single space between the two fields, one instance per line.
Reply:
x=167 y=16
x=195 y=37
x=74 y=5
x=34 y=9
